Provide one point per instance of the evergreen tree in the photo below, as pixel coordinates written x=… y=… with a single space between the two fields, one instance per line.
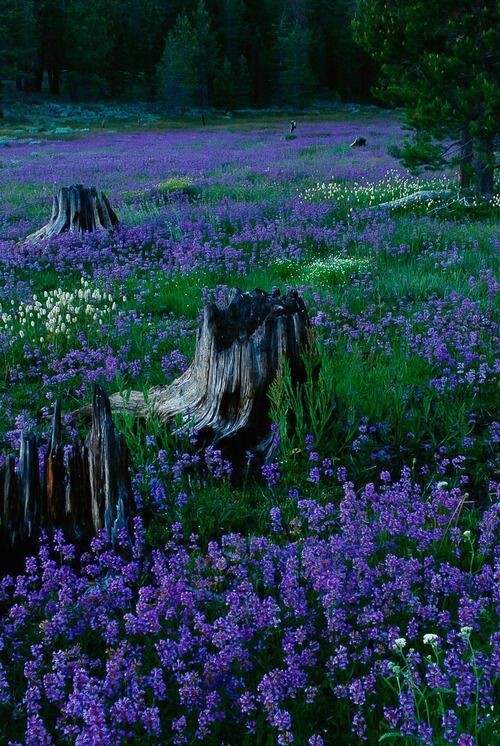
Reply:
x=295 y=78
x=205 y=53
x=17 y=37
x=243 y=82
x=138 y=40
x=338 y=63
x=176 y=83
x=225 y=85
x=232 y=30
x=51 y=42
x=89 y=28
x=188 y=64
x=440 y=61
x=263 y=21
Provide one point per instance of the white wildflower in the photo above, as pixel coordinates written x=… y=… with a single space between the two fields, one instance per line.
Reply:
x=430 y=639
x=399 y=643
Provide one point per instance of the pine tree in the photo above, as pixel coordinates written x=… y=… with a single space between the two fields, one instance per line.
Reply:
x=17 y=38
x=88 y=36
x=439 y=59
x=176 y=83
x=295 y=79
x=225 y=85
x=205 y=53
x=51 y=40
x=188 y=64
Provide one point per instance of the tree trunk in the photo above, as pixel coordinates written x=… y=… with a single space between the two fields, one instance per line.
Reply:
x=77 y=209
x=223 y=394
x=466 y=170
x=483 y=168
x=54 y=80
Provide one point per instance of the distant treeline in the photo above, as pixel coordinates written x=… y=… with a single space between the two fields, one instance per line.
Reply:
x=188 y=53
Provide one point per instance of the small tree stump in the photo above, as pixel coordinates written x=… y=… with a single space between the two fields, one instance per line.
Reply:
x=84 y=494
x=77 y=209
x=223 y=394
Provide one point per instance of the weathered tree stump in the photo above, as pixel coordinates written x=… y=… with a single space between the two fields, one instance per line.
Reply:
x=110 y=488
x=88 y=491
x=77 y=209
x=223 y=394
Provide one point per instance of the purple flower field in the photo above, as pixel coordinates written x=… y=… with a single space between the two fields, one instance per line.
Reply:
x=347 y=593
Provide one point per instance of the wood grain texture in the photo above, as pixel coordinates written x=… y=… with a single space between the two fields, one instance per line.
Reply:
x=239 y=349
x=77 y=209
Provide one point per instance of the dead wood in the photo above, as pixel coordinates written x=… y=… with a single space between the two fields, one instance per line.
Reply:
x=416 y=198
x=223 y=394
x=77 y=209
x=85 y=492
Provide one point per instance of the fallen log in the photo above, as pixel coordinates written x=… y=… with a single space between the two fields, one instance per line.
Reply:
x=415 y=199
x=77 y=209
x=223 y=394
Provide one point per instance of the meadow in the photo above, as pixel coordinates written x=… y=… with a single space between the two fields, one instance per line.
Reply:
x=347 y=593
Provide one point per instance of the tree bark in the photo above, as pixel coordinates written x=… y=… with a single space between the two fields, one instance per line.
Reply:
x=466 y=170
x=54 y=80
x=77 y=209
x=88 y=493
x=483 y=168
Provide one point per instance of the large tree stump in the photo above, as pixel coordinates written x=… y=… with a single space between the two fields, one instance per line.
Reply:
x=77 y=209
x=223 y=394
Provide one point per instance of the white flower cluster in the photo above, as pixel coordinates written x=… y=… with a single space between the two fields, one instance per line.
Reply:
x=431 y=639
x=334 y=266
x=56 y=311
x=399 y=643
x=327 y=269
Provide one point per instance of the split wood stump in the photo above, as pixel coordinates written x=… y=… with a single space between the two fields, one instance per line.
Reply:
x=77 y=209
x=82 y=493
x=222 y=396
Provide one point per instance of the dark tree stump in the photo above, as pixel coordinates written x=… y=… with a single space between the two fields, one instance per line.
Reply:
x=223 y=394
x=29 y=481
x=54 y=487
x=82 y=495
x=110 y=489
x=77 y=209
x=12 y=517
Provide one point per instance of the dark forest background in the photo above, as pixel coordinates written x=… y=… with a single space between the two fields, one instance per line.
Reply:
x=186 y=53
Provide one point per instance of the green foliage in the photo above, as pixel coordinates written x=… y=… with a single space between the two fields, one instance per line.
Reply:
x=420 y=153
x=17 y=29
x=186 y=69
x=307 y=408
x=88 y=36
x=295 y=80
x=438 y=60
x=241 y=52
